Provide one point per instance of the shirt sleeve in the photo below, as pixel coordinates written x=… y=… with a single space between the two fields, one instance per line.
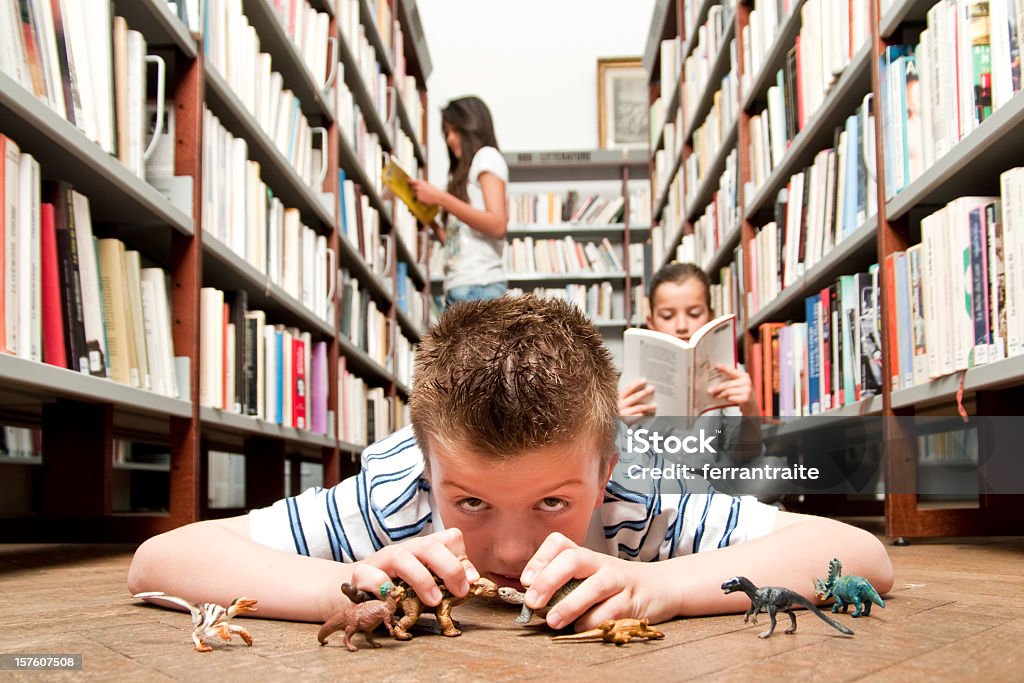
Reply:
x=488 y=160
x=386 y=502
x=706 y=521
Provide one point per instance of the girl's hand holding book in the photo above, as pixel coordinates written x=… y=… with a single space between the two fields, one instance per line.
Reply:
x=425 y=192
x=736 y=389
x=634 y=399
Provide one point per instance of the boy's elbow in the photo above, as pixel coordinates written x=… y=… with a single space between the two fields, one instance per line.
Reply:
x=139 y=572
x=868 y=557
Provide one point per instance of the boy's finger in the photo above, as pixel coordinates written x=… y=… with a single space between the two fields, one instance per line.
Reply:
x=612 y=607
x=368 y=577
x=571 y=563
x=411 y=570
x=554 y=544
x=594 y=589
x=449 y=568
x=456 y=542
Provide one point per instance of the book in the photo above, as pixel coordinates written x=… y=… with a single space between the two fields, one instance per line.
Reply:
x=681 y=372
x=397 y=180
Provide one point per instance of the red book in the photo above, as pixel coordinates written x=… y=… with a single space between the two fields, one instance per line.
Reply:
x=756 y=372
x=53 y=319
x=224 y=359
x=890 y=321
x=299 y=386
x=826 y=350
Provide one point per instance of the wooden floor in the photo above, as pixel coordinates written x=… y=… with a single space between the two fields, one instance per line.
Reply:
x=954 y=614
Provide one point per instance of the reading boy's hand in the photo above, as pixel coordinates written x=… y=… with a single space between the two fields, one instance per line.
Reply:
x=443 y=553
x=737 y=389
x=425 y=192
x=632 y=400
x=613 y=588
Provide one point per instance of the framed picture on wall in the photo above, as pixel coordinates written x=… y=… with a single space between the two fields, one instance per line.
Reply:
x=622 y=109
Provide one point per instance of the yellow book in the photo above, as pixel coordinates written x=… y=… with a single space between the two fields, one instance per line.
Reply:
x=397 y=180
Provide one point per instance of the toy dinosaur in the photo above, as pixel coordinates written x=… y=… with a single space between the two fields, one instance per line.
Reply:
x=364 y=616
x=847 y=590
x=618 y=631
x=413 y=607
x=514 y=597
x=208 y=618
x=771 y=599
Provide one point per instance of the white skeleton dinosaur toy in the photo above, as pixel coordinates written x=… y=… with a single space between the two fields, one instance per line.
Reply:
x=209 y=619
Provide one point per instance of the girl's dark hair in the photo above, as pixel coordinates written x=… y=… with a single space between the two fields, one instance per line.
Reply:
x=471 y=119
x=678 y=273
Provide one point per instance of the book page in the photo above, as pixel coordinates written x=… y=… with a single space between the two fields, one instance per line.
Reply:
x=664 y=361
x=714 y=344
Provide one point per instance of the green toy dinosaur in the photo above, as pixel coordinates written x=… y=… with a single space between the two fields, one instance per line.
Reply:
x=847 y=590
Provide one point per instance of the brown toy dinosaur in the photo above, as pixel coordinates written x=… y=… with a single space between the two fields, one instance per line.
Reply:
x=412 y=607
x=618 y=631
x=364 y=616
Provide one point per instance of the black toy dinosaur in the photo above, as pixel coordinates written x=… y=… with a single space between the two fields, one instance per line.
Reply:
x=772 y=599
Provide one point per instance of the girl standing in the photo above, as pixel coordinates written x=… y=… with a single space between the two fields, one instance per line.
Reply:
x=474 y=207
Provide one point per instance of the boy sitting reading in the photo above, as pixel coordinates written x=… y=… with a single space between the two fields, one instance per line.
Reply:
x=508 y=463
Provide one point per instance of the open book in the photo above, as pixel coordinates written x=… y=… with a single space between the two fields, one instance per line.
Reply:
x=397 y=180
x=681 y=371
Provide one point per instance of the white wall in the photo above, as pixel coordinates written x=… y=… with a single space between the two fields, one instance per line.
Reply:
x=534 y=62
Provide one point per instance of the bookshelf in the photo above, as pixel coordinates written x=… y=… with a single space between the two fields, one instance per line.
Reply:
x=548 y=177
x=76 y=490
x=972 y=166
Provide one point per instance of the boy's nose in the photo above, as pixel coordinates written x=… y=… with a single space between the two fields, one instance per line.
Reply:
x=512 y=546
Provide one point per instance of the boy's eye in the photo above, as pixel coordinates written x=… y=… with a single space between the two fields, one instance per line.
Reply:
x=470 y=504
x=553 y=504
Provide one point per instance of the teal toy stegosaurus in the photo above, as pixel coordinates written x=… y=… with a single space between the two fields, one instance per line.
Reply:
x=847 y=590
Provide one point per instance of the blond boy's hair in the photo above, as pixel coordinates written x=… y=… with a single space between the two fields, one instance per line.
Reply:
x=509 y=375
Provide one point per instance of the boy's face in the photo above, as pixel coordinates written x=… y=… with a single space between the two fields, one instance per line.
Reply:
x=505 y=509
x=679 y=309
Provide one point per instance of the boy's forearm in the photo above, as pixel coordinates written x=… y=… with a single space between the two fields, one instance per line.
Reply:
x=791 y=556
x=206 y=562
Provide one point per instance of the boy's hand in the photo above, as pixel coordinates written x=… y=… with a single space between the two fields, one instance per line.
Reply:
x=443 y=553
x=613 y=588
x=737 y=389
x=633 y=397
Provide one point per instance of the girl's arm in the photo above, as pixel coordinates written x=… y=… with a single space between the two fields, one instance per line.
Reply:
x=738 y=389
x=492 y=221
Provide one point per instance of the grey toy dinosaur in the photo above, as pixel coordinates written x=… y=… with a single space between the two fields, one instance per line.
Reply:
x=847 y=590
x=771 y=599
x=512 y=596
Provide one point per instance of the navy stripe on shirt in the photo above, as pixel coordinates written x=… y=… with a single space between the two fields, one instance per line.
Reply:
x=296 y=525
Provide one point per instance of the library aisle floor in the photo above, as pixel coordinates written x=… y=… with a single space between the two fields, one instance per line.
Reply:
x=954 y=614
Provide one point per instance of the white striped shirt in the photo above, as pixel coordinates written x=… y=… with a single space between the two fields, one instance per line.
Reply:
x=389 y=501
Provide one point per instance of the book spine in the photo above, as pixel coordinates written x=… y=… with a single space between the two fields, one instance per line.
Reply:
x=979 y=288
x=299 y=383
x=54 y=352
x=813 y=356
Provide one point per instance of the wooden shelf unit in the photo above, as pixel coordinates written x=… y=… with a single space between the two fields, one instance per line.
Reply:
x=971 y=167
x=81 y=416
